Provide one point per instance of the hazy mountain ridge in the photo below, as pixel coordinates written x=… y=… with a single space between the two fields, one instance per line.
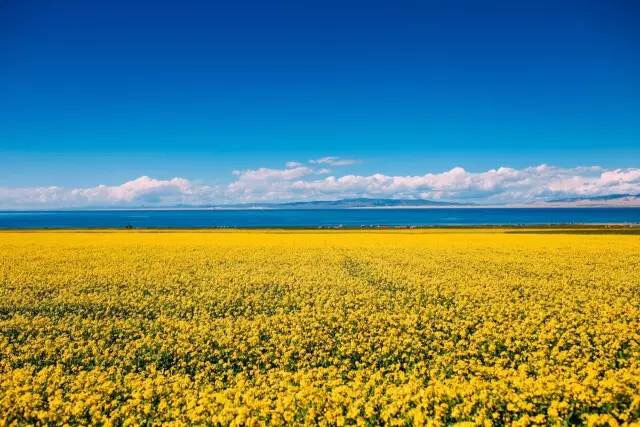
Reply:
x=604 y=200
x=609 y=200
x=361 y=202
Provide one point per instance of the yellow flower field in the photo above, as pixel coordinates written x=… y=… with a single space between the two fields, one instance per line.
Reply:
x=414 y=327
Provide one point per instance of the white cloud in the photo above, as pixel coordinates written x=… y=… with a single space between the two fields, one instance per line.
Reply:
x=267 y=174
x=333 y=161
x=299 y=182
x=264 y=183
x=501 y=185
x=142 y=191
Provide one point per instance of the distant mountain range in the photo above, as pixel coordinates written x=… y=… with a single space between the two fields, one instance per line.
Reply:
x=363 y=202
x=610 y=200
x=606 y=200
x=346 y=204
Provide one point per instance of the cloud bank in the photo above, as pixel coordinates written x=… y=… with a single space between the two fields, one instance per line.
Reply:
x=315 y=181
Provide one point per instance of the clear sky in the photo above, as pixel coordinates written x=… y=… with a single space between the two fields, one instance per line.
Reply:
x=103 y=92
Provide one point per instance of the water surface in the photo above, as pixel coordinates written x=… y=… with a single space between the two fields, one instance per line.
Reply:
x=315 y=218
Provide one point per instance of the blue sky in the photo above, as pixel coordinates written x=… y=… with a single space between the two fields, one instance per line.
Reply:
x=104 y=92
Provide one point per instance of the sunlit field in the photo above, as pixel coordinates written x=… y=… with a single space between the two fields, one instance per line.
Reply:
x=410 y=327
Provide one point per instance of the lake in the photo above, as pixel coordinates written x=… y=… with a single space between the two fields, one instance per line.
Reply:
x=315 y=218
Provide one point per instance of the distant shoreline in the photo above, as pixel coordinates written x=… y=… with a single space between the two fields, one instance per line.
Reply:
x=632 y=228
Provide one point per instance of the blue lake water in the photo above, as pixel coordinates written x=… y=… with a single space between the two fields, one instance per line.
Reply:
x=315 y=218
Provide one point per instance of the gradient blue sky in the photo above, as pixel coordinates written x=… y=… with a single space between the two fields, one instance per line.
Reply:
x=101 y=92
